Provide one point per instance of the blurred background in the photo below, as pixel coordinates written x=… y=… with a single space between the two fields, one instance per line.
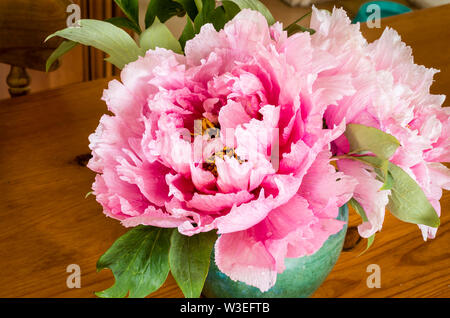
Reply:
x=24 y=24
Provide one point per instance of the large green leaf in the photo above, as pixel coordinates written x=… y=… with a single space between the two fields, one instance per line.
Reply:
x=158 y=35
x=363 y=138
x=123 y=22
x=131 y=10
x=407 y=200
x=114 y=41
x=163 y=10
x=189 y=261
x=139 y=261
x=62 y=49
x=254 y=5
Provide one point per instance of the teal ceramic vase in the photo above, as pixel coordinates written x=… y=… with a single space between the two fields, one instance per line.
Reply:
x=387 y=9
x=301 y=278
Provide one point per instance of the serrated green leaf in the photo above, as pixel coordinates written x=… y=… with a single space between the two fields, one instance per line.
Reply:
x=407 y=201
x=131 y=10
x=254 y=5
x=158 y=35
x=139 y=261
x=363 y=138
x=163 y=10
x=188 y=33
x=62 y=49
x=106 y=37
x=189 y=258
x=126 y=23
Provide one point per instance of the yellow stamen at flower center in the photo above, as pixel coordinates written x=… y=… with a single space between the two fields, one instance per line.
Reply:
x=208 y=128
x=210 y=163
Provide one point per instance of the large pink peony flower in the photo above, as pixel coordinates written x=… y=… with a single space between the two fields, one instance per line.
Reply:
x=391 y=94
x=264 y=180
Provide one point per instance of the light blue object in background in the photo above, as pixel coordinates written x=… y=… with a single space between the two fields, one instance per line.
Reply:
x=388 y=8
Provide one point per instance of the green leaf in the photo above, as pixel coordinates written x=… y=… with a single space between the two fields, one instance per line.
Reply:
x=163 y=10
x=384 y=175
x=158 y=35
x=62 y=49
x=363 y=138
x=218 y=18
x=131 y=10
x=139 y=261
x=299 y=19
x=295 y=28
x=106 y=37
x=199 y=4
x=221 y=15
x=190 y=7
x=205 y=14
x=370 y=241
x=231 y=9
x=407 y=201
x=188 y=33
x=254 y=5
x=359 y=209
x=189 y=258
x=126 y=23
x=387 y=179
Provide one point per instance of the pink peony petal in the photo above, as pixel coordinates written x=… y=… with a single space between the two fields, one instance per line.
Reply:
x=219 y=201
x=368 y=194
x=243 y=259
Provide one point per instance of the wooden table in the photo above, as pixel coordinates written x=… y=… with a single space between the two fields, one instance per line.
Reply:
x=47 y=224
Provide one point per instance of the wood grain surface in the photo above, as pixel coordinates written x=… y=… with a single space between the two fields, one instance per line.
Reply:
x=47 y=224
